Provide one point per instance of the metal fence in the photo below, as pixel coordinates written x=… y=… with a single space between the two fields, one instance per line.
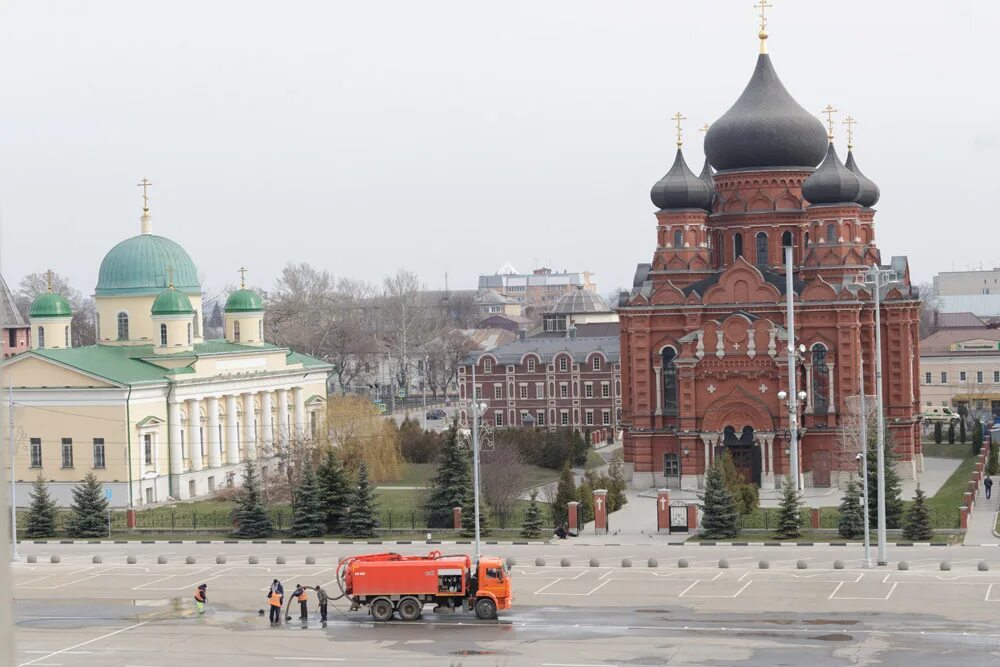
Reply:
x=767 y=518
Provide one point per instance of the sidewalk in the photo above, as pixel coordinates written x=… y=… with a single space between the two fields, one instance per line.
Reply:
x=984 y=514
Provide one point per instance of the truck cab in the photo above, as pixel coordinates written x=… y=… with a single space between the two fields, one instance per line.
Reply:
x=492 y=587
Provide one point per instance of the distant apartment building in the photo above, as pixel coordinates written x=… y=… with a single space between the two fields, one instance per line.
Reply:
x=976 y=292
x=538 y=290
x=961 y=368
x=15 y=329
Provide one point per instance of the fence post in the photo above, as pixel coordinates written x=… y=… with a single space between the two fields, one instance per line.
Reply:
x=173 y=519
x=194 y=519
x=413 y=520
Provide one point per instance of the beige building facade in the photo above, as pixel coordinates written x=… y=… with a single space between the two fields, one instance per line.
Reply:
x=961 y=368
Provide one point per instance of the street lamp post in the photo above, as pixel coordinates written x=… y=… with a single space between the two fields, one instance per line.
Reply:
x=794 y=401
x=476 y=409
x=793 y=412
x=13 y=487
x=863 y=410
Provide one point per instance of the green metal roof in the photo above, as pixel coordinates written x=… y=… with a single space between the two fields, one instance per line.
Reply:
x=138 y=265
x=244 y=300
x=172 y=302
x=306 y=360
x=50 y=304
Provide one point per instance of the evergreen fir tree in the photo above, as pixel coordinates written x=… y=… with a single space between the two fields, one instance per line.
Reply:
x=585 y=496
x=962 y=435
x=253 y=521
x=977 y=436
x=616 y=485
x=468 y=518
x=918 y=520
x=532 y=525
x=452 y=486
x=565 y=493
x=580 y=447
x=893 y=486
x=852 y=513
x=951 y=433
x=789 y=512
x=309 y=513
x=42 y=513
x=88 y=517
x=362 y=520
x=719 y=517
x=938 y=433
x=993 y=461
x=334 y=491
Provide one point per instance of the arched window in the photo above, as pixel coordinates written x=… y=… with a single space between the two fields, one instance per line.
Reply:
x=163 y=335
x=189 y=333
x=721 y=247
x=66 y=344
x=260 y=330
x=762 y=259
x=737 y=245
x=123 y=326
x=786 y=239
x=236 y=331
x=678 y=238
x=41 y=338
x=806 y=239
x=820 y=379
x=669 y=380
x=831 y=233
x=194 y=322
x=97 y=326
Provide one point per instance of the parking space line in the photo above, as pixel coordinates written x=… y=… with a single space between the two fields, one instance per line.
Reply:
x=736 y=594
x=588 y=593
x=887 y=595
x=546 y=586
x=989 y=589
x=89 y=641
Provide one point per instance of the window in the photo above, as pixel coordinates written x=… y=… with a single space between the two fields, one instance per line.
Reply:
x=122 y=326
x=786 y=239
x=313 y=424
x=961 y=376
x=99 y=453
x=540 y=418
x=589 y=417
x=597 y=364
x=498 y=418
x=737 y=245
x=531 y=364
x=831 y=233
x=67 y=452
x=669 y=380
x=36 y=452
x=588 y=390
x=927 y=378
x=41 y=338
x=66 y=334
x=979 y=377
x=606 y=417
x=163 y=335
x=820 y=379
x=996 y=376
x=671 y=465
x=944 y=377
x=479 y=391
x=487 y=365
x=189 y=333
x=605 y=390
x=564 y=418
x=194 y=324
x=147 y=448
x=522 y=391
x=539 y=390
x=563 y=390
x=11 y=338
x=498 y=391
x=236 y=331
x=678 y=238
x=762 y=259
x=563 y=364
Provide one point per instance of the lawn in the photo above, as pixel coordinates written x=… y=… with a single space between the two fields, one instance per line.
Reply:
x=946 y=451
x=945 y=503
x=822 y=536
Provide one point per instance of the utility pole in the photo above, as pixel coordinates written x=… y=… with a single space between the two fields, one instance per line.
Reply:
x=475 y=458
x=793 y=406
x=864 y=452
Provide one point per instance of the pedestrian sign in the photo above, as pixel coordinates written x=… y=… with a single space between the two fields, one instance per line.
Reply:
x=381 y=406
x=108 y=493
x=401 y=393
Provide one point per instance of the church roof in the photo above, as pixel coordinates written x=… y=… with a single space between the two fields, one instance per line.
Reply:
x=547 y=348
x=140 y=264
x=244 y=300
x=832 y=182
x=10 y=316
x=580 y=300
x=869 y=194
x=50 y=304
x=172 y=302
x=680 y=188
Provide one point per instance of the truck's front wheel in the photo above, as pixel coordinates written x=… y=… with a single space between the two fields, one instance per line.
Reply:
x=381 y=610
x=486 y=608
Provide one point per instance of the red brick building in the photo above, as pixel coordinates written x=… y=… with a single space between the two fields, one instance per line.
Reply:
x=703 y=332
x=16 y=332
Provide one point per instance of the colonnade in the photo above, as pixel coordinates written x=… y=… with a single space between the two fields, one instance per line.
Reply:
x=765 y=439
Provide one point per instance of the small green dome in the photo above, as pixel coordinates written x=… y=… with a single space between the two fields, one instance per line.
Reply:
x=172 y=302
x=244 y=300
x=139 y=265
x=50 y=304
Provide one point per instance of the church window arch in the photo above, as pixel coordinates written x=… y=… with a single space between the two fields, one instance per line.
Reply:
x=236 y=331
x=669 y=370
x=194 y=323
x=66 y=334
x=41 y=338
x=737 y=245
x=163 y=335
x=806 y=239
x=762 y=258
x=831 y=233
x=678 y=238
x=189 y=333
x=820 y=378
x=123 y=326
x=786 y=239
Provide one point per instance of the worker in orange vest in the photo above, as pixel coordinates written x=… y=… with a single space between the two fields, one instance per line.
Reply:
x=200 y=598
x=301 y=594
x=274 y=598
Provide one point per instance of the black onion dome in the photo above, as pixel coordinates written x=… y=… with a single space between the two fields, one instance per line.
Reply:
x=706 y=177
x=766 y=127
x=869 y=194
x=680 y=188
x=832 y=182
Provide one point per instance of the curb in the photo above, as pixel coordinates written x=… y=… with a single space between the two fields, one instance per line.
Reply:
x=494 y=543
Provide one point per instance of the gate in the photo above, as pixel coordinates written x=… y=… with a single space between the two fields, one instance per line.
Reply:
x=678 y=517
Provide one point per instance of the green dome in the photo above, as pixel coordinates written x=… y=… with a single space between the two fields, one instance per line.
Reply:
x=244 y=301
x=138 y=265
x=172 y=302
x=50 y=304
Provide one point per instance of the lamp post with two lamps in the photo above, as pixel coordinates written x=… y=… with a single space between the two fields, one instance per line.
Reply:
x=795 y=399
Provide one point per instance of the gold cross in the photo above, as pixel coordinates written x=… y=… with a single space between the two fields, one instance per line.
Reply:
x=704 y=128
x=243 y=277
x=763 y=6
x=145 y=195
x=677 y=118
x=170 y=277
x=849 y=122
x=48 y=277
x=829 y=111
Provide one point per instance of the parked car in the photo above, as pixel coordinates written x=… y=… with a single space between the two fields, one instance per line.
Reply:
x=436 y=414
x=939 y=413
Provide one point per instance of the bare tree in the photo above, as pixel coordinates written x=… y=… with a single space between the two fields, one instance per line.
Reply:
x=931 y=307
x=444 y=355
x=502 y=478
x=408 y=322
x=351 y=346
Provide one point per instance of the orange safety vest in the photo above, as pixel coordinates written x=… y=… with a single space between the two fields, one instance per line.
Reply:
x=275 y=599
x=303 y=596
x=198 y=595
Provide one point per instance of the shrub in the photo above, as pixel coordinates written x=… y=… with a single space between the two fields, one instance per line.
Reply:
x=938 y=434
x=852 y=513
x=88 y=516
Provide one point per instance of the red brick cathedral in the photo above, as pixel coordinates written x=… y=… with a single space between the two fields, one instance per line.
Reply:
x=704 y=336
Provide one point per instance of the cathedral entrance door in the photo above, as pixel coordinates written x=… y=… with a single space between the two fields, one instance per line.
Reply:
x=744 y=452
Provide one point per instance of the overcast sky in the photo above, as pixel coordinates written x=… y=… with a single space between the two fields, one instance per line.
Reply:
x=453 y=136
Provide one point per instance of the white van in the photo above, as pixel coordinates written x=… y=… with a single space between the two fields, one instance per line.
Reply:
x=939 y=413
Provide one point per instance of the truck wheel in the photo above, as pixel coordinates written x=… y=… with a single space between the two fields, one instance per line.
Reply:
x=409 y=609
x=381 y=610
x=486 y=608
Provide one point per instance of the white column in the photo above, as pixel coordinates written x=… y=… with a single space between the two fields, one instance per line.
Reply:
x=283 y=417
x=300 y=411
x=767 y=478
x=248 y=430
x=808 y=388
x=266 y=428
x=831 y=408
x=214 y=445
x=194 y=434
x=174 y=439
x=232 y=432
x=659 y=389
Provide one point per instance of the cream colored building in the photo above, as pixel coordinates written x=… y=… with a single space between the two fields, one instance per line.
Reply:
x=154 y=409
x=961 y=367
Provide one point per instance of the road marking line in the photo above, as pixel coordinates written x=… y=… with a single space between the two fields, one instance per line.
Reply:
x=830 y=596
x=546 y=586
x=90 y=641
x=988 y=589
x=591 y=592
x=311 y=659
x=736 y=594
x=887 y=595
x=573 y=664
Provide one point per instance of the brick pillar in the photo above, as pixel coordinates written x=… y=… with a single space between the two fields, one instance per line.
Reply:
x=573 y=516
x=968 y=500
x=130 y=518
x=965 y=517
x=814 y=517
x=663 y=510
x=456 y=514
x=692 y=517
x=601 y=511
